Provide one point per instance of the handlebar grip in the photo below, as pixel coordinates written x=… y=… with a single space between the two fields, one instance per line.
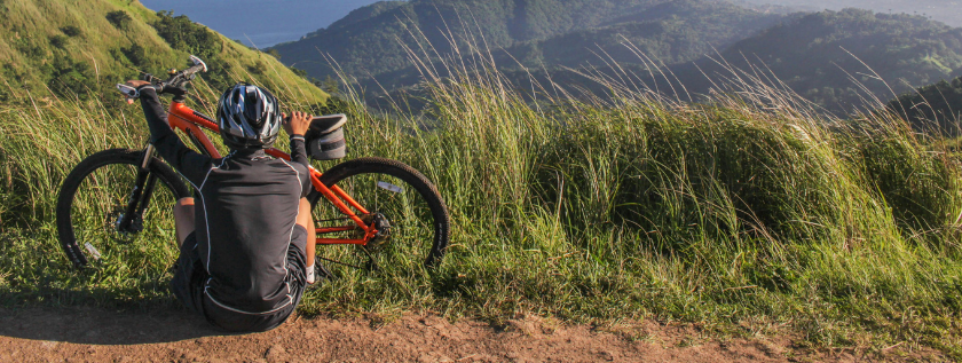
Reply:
x=176 y=85
x=189 y=72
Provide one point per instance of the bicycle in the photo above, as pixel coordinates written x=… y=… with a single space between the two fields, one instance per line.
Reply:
x=381 y=206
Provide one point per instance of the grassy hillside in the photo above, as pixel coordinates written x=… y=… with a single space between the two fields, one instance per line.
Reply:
x=80 y=49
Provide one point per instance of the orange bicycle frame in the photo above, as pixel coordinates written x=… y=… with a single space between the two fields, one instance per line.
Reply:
x=190 y=122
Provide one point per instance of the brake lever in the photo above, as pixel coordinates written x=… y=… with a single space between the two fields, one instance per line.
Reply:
x=150 y=78
x=128 y=91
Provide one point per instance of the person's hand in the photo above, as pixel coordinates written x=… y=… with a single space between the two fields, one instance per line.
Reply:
x=297 y=123
x=135 y=84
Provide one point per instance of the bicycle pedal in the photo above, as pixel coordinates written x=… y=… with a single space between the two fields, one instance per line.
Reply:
x=322 y=273
x=326 y=274
x=372 y=265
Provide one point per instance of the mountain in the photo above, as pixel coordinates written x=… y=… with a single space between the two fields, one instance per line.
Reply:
x=666 y=33
x=836 y=59
x=946 y=11
x=833 y=58
x=669 y=33
x=81 y=49
x=821 y=56
x=940 y=103
x=261 y=23
x=374 y=40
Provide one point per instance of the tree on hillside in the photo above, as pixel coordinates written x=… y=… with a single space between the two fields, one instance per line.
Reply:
x=183 y=34
x=119 y=19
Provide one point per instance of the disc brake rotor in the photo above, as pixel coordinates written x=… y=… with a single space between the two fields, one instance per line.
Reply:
x=112 y=226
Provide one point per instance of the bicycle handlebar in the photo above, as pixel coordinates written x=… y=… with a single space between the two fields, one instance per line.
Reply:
x=175 y=84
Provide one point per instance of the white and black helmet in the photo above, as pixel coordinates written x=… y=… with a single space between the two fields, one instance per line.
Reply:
x=249 y=117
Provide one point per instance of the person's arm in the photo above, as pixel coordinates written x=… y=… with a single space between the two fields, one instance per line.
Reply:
x=189 y=163
x=296 y=126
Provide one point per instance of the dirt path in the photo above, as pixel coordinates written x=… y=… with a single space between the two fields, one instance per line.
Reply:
x=97 y=335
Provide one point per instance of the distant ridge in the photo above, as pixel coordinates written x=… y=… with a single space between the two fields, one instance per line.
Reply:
x=822 y=56
x=372 y=40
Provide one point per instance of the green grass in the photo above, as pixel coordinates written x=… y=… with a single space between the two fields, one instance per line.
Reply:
x=749 y=214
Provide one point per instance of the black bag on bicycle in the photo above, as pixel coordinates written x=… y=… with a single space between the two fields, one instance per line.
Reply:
x=325 y=137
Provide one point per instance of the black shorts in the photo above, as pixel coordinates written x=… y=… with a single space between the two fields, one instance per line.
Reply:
x=190 y=278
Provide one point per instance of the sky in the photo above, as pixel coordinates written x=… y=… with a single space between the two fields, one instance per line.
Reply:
x=261 y=23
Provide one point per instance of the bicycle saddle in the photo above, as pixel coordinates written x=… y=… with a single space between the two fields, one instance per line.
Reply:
x=323 y=125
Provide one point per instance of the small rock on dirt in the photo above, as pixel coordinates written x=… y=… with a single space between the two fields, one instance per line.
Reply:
x=275 y=354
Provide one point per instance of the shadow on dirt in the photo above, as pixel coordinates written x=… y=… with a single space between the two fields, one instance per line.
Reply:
x=104 y=326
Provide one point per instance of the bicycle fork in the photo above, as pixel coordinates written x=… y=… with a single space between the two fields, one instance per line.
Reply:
x=131 y=220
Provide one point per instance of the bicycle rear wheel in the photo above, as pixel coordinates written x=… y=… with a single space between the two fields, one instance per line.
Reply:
x=406 y=208
x=95 y=197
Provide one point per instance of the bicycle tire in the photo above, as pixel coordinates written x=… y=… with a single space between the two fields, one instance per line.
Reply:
x=380 y=167
x=87 y=167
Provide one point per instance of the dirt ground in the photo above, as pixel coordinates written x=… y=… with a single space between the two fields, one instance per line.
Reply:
x=98 y=335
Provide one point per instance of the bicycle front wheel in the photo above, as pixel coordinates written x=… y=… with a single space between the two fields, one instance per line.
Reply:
x=402 y=204
x=98 y=194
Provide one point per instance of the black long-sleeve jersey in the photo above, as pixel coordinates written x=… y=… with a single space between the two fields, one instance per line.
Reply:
x=246 y=211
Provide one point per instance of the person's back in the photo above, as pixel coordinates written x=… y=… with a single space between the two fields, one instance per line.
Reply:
x=246 y=201
x=244 y=258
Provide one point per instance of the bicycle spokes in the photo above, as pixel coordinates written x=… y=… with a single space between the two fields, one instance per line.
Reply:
x=396 y=214
x=119 y=205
